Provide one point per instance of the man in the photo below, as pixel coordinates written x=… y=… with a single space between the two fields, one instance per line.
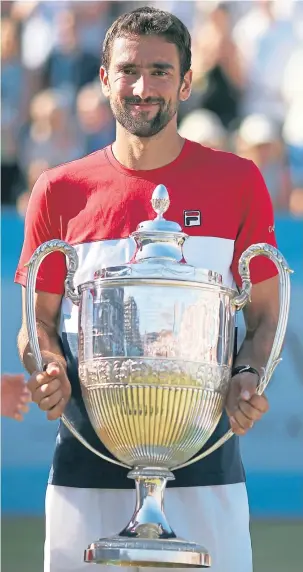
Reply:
x=94 y=204
x=14 y=396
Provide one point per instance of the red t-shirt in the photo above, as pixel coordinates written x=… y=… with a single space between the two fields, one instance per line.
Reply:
x=96 y=200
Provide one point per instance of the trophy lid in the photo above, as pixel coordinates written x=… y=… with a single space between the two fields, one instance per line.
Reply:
x=159 y=251
x=159 y=239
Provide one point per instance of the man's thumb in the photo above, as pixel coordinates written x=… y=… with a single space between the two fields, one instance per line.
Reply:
x=248 y=386
x=52 y=369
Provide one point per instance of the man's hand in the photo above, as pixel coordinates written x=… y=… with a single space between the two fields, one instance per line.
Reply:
x=14 y=396
x=51 y=389
x=243 y=405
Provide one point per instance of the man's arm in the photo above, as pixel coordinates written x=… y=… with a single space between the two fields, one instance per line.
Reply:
x=243 y=405
x=50 y=389
x=47 y=308
x=261 y=320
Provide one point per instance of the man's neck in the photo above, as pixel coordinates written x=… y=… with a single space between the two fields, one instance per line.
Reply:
x=145 y=154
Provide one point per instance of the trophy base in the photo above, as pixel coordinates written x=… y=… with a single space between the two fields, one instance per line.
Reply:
x=148 y=540
x=143 y=552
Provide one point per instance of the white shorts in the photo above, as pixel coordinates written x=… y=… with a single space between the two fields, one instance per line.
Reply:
x=216 y=517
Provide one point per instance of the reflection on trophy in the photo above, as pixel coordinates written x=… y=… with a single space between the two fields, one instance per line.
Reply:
x=156 y=339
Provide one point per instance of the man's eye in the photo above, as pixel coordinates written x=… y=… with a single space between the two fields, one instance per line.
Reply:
x=159 y=73
x=128 y=71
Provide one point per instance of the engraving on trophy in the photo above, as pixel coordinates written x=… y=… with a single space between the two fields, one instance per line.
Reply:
x=101 y=371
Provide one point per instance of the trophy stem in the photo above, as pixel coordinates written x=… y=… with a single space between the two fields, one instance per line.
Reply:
x=149 y=520
x=148 y=540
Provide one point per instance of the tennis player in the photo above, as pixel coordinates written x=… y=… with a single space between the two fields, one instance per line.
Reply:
x=94 y=203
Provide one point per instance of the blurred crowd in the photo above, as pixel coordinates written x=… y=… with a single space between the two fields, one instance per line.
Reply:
x=247 y=93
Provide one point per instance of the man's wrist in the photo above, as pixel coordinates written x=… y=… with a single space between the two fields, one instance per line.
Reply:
x=244 y=369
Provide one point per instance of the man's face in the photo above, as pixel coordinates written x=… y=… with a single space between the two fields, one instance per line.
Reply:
x=143 y=83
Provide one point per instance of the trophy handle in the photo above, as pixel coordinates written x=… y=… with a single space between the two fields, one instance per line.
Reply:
x=33 y=265
x=260 y=249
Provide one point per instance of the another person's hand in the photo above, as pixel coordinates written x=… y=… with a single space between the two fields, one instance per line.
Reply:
x=15 y=396
x=51 y=390
x=243 y=405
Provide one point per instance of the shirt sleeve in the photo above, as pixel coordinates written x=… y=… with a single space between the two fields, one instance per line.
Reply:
x=257 y=226
x=41 y=226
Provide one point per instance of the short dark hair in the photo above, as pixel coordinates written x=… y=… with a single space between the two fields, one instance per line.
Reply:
x=148 y=21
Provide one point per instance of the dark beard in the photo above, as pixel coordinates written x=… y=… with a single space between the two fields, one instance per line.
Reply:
x=140 y=125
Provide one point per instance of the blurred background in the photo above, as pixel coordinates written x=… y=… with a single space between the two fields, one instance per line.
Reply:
x=248 y=99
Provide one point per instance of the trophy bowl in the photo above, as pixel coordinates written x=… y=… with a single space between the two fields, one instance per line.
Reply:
x=155 y=351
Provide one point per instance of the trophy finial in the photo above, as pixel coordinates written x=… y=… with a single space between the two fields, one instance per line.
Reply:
x=160 y=200
x=159 y=238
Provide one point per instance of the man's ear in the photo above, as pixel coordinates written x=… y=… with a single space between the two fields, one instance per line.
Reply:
x=185 y=90
x=104 y=81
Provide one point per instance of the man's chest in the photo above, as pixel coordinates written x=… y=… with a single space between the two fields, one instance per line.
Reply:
x=100 y=231
x=115 y=209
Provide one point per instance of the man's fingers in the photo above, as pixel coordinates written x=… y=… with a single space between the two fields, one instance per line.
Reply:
x=56 y=411
x=249 y=411
x=36 y=380
x=40 y=378
x=50 y=389
x=235 y=427
x=260 y=403
x=46 y=390
x=47 y=403
x=240 y=421
x=244 y=417
x=243 y=405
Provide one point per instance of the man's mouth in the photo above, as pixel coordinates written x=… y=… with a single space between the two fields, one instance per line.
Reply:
x=144 y=106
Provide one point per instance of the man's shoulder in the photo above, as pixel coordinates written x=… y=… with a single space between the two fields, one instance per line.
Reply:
x=79 y=169
x=200 y=156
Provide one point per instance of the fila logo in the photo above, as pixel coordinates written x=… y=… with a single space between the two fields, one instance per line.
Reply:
x=271 y=228
x=192 y=218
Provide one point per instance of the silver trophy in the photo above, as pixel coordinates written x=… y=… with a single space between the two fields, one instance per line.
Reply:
x=155 y=348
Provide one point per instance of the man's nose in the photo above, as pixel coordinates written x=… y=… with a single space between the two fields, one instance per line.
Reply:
x=142 y=87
